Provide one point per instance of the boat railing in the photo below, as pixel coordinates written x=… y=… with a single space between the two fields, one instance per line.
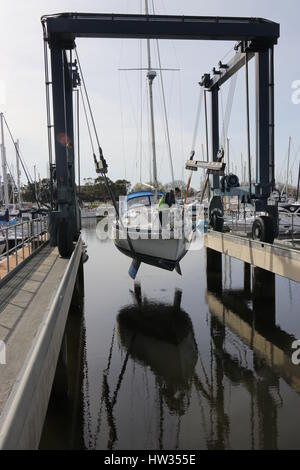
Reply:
x=20 y=240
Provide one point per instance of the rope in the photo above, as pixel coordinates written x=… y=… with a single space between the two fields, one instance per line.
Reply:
x=198 y=112
x=180 y=86
x=188 y=187
x=89 y=106
x=104 y=170
x=136 y=124
x=141 y=104
x=11 y=175
x=296 y=151
x=87 y=122
x=122 y=124
x=27 y=174
x=165 y=108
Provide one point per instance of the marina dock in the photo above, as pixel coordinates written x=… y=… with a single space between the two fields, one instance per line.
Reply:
x=34 y=306
x=278 y=258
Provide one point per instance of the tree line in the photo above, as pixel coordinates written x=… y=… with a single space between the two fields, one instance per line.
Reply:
x=94 y=190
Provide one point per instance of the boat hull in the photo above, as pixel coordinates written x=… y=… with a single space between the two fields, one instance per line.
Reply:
x=158 y=252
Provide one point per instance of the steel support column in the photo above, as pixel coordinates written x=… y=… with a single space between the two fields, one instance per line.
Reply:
x=62 y=93
x=262 y=125
x=215 y=130
x=74 y=217
x=271 y=119
x=59 y=115
x=69 y=117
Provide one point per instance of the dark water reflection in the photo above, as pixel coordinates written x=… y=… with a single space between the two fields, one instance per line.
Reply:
x=179 y=363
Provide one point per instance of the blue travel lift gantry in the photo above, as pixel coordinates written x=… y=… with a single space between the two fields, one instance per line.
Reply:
x=256 y=37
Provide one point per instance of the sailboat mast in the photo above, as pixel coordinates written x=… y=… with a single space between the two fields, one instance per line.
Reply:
x=18 y=173
x=287 y=169
x=151 y=75
x=4 y=165
x=35 y=185
x=298 y=184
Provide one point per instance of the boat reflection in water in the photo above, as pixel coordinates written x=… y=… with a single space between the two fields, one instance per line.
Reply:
x=160 y=336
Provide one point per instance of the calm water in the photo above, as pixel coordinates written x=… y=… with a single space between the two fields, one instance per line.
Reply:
x=166 y=363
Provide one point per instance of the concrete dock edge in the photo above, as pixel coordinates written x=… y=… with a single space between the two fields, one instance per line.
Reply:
x=22 y=420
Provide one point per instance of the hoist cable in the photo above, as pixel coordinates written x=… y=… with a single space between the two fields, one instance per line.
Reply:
x=197 y=120
x=87 y=121
x=109 y=189
x=228 y=108
x=89 y=104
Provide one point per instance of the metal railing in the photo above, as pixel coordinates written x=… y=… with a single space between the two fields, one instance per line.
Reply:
x=288 y=222
x=20 y=240
x=289 y=225
x=240 y=220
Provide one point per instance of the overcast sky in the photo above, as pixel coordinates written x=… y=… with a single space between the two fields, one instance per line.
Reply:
x=119 y=98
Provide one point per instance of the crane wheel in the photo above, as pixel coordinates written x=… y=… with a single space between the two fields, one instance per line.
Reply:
x=263 y=229
x=64 y=239
x=216 y=220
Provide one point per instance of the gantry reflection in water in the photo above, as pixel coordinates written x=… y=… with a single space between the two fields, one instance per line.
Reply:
x=250 y=349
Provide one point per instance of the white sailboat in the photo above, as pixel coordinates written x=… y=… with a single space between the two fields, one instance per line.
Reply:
x=138 y=233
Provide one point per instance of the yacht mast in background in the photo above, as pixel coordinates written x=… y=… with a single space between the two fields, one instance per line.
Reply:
x=151 y=76
x=18 y=173
x=4 y=165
